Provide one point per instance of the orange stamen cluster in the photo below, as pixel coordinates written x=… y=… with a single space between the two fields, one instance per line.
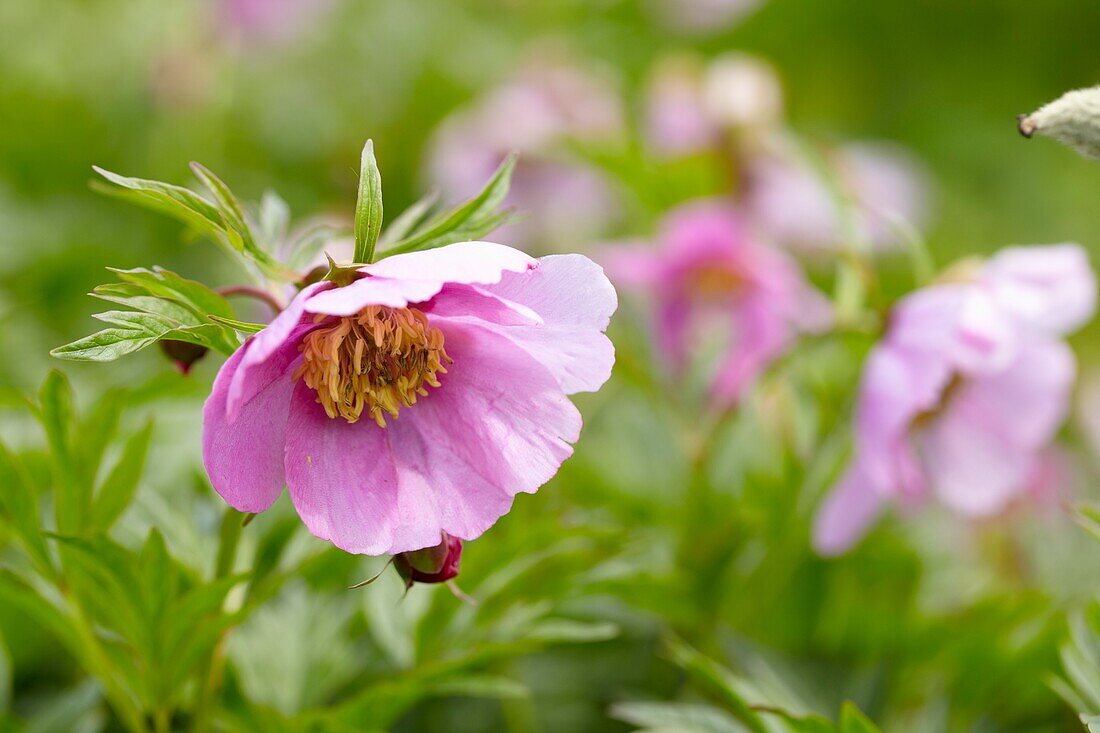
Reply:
x=376 y=361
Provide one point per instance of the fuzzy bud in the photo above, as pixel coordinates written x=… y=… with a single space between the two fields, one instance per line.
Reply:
x=432 y=564
x=1072 y=119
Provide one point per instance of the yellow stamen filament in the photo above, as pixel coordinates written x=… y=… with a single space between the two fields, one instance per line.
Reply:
x=376 y=361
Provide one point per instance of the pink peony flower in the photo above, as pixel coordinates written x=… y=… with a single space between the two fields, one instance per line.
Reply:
x=538 y=112
x=882 y=184
x=965 y=391
x=709 y=274
x=415 y=401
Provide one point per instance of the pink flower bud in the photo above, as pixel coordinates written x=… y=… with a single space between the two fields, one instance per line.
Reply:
x=432 y=564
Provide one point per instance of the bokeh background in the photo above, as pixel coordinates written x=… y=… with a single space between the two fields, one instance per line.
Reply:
x=931 y=624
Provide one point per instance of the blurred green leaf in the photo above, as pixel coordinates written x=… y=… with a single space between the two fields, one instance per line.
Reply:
x=854 y=721
x=19 y=506
x=716 y=681
x=676 y=716
x=121 y=483
x=57 y=412
x=368 y=206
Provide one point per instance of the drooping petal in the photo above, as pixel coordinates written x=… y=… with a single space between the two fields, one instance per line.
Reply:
x=245 y=460
x=468 y=263
x=846 y=514
x=498 y=425
x=343 y=483
x=575 y=301
x=1048 y=289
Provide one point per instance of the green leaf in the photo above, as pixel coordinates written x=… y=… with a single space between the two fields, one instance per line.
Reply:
x=854 y=721
x=717 y=681
x=57 y=413
x=676 y=716
x=1092 y=724
x=17 y=593
x=176 y=201
x=159 y=576
x=19 y=505
x=230 y=209
x=119 y=487
x=480 y=685
x=409 y=220
x=368 y=206
x=106 y=345
x=472 y=220
x=239 y=326
x=167 y=284
x=565 y=631
x=98 y=428
x=167 y=306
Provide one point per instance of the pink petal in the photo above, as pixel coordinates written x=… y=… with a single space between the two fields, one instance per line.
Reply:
x=761 y=336
x=352 y=298
x=245 y=460
x=972 y=469
x=846 y=514
x=498 y=425
x=1026 y=402
x=343 y=483
x=1049 y=289
x=250 y=379
x=469 y=263
x=575 y=301
x=898 y=385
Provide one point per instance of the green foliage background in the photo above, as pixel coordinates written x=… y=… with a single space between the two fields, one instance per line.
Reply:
x=600 y=596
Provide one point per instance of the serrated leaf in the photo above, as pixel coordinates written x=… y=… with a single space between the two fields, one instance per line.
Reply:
x=471 y=220
x=136 y=297
x=368 y=206
x=118 y=489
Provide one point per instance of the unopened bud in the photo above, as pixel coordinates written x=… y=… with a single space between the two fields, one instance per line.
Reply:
x=436 y=564
x=183 y=354
x=742 y=91
x=1072 y=119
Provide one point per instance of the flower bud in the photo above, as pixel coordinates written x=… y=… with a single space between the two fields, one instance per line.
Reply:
x=741 y=91
x=1073 y=119
x=183 y=354
x=432 y=564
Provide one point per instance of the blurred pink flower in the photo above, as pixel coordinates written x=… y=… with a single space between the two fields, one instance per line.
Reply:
x=268 y=20
x=691 y=106
x=458 y=359
x=881 y=183
x=965 y=392
x=702 y=16
x=707 y=273
x=537 y=112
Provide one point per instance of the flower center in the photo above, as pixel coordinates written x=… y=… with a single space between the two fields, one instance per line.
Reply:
x=377 y=361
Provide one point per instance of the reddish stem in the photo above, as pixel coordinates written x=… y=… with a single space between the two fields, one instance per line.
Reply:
x=250 y=292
